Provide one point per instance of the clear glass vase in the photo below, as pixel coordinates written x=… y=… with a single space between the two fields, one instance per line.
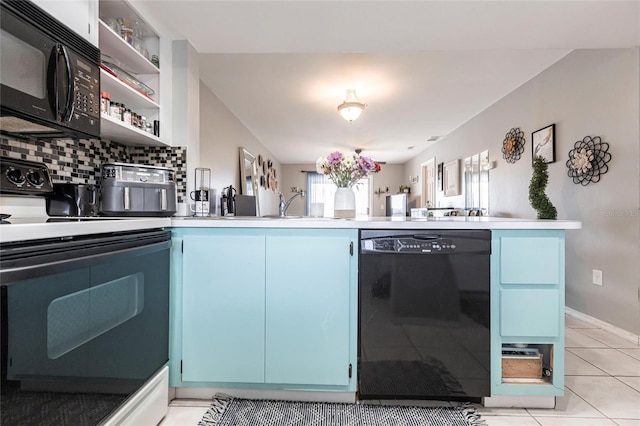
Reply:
x=344 y=203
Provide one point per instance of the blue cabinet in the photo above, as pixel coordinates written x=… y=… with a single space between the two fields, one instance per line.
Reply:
x=265 y=308
x=527 y=307
x=308 y=306
x=223 y=308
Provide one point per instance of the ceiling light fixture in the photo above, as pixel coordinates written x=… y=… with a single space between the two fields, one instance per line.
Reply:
x=351 y=108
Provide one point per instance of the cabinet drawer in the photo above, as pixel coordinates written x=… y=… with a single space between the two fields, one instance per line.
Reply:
x=529 y=312
x=530 y=260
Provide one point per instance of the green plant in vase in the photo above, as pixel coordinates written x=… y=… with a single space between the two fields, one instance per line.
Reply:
x=537 y=197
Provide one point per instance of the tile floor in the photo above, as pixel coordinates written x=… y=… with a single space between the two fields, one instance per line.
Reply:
x=602 y=387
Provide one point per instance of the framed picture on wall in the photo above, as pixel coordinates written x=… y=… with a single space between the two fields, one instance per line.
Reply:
x=543 y=144
x=439 y=181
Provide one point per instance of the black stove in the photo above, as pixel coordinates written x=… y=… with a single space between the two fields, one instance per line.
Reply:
x=22 y=177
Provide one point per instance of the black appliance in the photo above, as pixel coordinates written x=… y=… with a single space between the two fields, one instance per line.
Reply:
x=22 y=177
x=73 y=199
x=85 y=323
x=424 y=314
x=49 y=75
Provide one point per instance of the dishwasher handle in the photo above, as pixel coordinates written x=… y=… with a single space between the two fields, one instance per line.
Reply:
x=426 y=237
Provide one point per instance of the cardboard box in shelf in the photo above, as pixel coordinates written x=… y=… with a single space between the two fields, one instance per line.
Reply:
x=527 y=366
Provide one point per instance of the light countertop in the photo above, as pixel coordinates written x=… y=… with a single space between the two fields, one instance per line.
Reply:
x=456 y=222
x=22 y=229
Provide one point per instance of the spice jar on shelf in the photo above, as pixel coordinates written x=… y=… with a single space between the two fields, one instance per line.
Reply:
x=126 y=31
x=115 y=110
x=105 y=103
x=126 y=116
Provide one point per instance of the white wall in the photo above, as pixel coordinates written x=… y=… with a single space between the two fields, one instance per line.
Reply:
x=221 y=136
x=589 y=92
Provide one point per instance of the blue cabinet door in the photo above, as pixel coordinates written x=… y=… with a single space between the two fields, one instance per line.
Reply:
x=308 y=305
x=223 y=308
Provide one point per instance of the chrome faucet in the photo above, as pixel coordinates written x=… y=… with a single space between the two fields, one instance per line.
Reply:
x=283 y=206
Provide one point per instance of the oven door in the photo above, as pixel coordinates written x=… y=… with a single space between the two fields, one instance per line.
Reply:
x=85 y=318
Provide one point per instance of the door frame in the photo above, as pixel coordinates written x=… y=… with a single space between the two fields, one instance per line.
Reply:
x=428 y=188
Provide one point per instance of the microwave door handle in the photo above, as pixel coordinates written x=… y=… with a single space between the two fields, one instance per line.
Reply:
x=68 y=105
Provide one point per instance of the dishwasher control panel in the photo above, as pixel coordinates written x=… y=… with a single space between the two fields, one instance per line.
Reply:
x=425 y=242
x=408 y=245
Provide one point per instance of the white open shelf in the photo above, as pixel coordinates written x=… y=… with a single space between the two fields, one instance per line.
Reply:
x=118 y=131
x=122 y=92
x=131 y=60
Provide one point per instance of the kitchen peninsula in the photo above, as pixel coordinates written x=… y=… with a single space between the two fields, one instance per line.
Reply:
x=268 y=307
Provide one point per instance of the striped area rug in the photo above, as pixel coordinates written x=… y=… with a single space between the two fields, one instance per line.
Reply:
x=247 y=412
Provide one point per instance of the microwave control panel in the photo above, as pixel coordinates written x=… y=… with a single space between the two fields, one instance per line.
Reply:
x=86 y=88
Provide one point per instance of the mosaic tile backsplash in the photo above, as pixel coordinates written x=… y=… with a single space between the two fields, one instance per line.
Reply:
x=80 y=160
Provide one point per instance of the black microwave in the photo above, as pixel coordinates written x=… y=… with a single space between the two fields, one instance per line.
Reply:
x=49 y=76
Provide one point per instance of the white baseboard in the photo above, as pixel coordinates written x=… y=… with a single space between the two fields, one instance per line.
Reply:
x=634 y=338
x=310 y=396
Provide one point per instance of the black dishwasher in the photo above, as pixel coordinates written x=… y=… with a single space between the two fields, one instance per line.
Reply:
x=424 y=314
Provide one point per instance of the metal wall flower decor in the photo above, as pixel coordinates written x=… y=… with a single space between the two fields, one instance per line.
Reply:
x=513 y=145
x=588 y=160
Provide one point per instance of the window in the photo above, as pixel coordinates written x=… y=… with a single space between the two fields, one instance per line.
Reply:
x=320 y=189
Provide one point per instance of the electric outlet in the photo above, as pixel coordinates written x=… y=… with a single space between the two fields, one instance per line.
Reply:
x=295 y=189
x=597 y=277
